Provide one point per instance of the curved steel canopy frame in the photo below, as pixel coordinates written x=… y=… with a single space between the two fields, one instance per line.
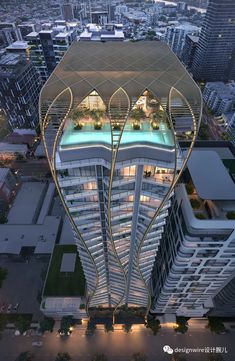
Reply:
x=175 y=178
x=52 y=165
x=115 y=147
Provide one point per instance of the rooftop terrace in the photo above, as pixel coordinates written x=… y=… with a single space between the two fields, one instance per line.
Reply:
x=62 y=284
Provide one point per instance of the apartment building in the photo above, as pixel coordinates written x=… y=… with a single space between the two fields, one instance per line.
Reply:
x=111 y=119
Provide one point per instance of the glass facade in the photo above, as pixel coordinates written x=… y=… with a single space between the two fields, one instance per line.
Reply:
x=111 y=119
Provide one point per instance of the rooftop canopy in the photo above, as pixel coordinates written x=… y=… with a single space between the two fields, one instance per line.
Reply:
x=210 y=177
x=134 y=66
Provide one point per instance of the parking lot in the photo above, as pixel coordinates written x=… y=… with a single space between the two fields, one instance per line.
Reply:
x=22 y=285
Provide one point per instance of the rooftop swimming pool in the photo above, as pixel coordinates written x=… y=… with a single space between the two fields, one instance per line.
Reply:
x=89 y=136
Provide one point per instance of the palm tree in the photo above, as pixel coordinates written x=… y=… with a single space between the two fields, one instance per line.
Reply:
x=66 y=324
x=153 y=324
x=91 y=327
x=215 y=324
x=182 y=325
x=127 y=327
x=63 y=356
x=22 y=324
x=108 y=326
x=139 y=356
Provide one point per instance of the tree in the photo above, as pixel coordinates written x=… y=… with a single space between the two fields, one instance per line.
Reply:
x=66 y=324
x=47 y=324
x=139 y=356
x=182 y=325
x=230 y=214
x=22 y=324
x=153 y=324
x=63 y=356
x=108 y=326
x=204 y=132
x=3 y=275
x=189 y=188
x=137 y=114
x=3 y=321
x=3 y=218
x=215 y=324
x=25 y=356
x=200 y=216
x=99 y=357
x=195 y=203
x=91 y=327
x=127 y=327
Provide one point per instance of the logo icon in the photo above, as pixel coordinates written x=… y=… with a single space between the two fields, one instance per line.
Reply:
x=168 y=349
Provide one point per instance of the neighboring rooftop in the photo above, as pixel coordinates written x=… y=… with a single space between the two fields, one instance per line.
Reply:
x=13 y=148
x=27 y=204
x=59 y=284
x=96 y=33
x=194 y=38
x=210 y=177
x=40 y=237
x=18 y=45
x=11 y=64
x=3 y=173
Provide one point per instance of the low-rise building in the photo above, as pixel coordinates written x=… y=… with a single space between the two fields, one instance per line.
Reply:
x=30 y=229
x=9 y=183
x=9 y=151
x=113 y=32
x=220 y=97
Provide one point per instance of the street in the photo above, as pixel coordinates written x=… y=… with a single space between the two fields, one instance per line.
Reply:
x=214 y=129
x=118 y=345
x=37 y=168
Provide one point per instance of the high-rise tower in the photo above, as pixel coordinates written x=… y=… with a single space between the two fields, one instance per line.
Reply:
x=111 y=117
x=214 y=56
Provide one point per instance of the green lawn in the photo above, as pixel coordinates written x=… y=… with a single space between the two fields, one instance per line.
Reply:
x=64 y=284
x=230 y=164
x=13 y=317
x=4 y=130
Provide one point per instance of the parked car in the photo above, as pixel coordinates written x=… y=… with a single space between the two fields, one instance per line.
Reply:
x=37 y=343
x=3 y=307
x=9 y=308
x=15 y=308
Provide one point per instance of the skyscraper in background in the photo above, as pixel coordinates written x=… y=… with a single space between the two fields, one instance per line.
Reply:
x=20 y=85
x=215 y=54
x=111 y=119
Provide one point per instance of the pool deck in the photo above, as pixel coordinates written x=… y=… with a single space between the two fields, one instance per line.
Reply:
x=89 y=136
